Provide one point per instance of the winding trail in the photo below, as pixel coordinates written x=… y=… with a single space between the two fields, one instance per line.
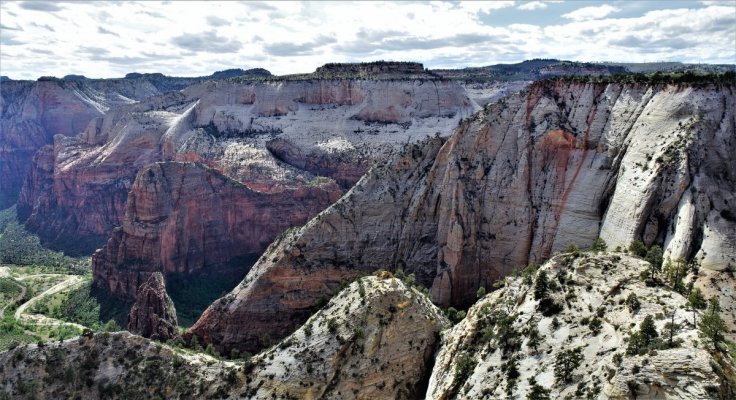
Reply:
x=70 y=282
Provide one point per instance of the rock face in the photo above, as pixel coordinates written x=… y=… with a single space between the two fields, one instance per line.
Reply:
x=182 y=218
x=559 y=163
x=374 y=340
x=270 y=135
x=31 y=113
x=476 y=354
x=153 y=314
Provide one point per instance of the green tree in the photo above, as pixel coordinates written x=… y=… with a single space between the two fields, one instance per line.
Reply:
x=111 y=326
x=541 y=285
x=654 y=257
x=712 y=327
x=481 y=292
x=598 y=245
x=637 y=248
x=696 y=301
x=565 y=364
x=632 y=302
x=641 y=341
x=534 y=338
x=648 y=330
x=536 y=391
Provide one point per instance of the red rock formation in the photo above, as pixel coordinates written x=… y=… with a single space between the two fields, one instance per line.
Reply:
x=239 y=128
x=561 y=163
x=182 y=218
x=153 y=314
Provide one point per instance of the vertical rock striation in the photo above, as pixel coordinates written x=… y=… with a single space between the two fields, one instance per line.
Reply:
x=560 y=163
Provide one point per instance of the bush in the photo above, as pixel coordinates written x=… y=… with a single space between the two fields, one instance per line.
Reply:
x=454 y=315
x=537 y=392
x=638 y=248
x=598 y=245
x=632 y=302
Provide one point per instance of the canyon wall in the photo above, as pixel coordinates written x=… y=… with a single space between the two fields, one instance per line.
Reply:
x=31 y=113
x=290 y=147
x=560 y=163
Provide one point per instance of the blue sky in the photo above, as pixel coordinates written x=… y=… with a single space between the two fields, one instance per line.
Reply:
x=110 y=39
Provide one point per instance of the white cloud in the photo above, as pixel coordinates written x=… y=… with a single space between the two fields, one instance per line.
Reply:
x=532 y=5
x=197 y=38
x=593 y=12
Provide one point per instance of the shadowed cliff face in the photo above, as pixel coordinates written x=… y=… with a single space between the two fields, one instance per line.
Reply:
x=31 y=113
x=291 y=140
x=183 y=218
x=559 y=163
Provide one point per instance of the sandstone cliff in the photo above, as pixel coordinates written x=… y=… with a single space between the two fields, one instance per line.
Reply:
x=374 y=340
x=266 y=134
x=507 y=339
x=31 y=113
x=559 y=163
x=182 y=218
x=153 y=314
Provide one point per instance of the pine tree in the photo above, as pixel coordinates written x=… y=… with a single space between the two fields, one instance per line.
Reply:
x=712 y=327
x=648 y=330
x=541 y=286
x=637 y=248
x=537 y=392
x=654 y=257
x=565 y=364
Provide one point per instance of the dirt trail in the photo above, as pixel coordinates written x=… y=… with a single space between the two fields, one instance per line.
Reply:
x=70 y=282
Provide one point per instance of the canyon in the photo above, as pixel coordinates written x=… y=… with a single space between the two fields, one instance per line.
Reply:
x=560 y=163
x=374 y=196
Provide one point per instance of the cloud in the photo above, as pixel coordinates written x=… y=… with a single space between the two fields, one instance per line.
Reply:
x=9 y=40
x=207 y=42
x=104 y=31
x=593 y=12
x=45 y=26
x=532 y=5
x=217 y=21
x=47 y=6
x=371 y=41
x=287 y=49
x=11 y=28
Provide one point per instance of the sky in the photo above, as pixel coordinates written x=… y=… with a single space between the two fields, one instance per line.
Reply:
x=109 y=39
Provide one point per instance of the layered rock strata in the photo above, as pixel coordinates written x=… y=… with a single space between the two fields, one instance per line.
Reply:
x=183 y=218
x=153 y=314
x=270 y=135
x=31 y=113
x=560 y=163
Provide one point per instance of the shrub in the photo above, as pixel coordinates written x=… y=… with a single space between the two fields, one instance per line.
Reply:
x=632 y=302
x=638 y=248
x=332 y=325
x=537 y=392
x=481 y=292
x=598 y=245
